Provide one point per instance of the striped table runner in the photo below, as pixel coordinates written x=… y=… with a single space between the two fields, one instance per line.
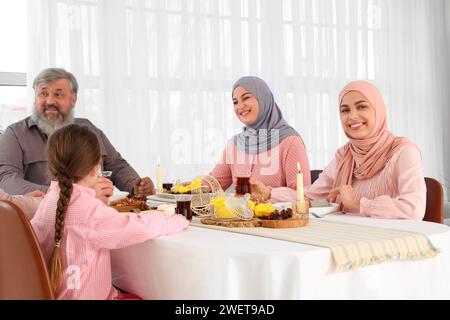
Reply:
x=351 y=245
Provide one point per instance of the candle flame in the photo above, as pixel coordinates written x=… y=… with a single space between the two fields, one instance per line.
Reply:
x=299 y=168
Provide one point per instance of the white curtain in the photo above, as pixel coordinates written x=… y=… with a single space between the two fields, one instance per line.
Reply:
x=156 y=75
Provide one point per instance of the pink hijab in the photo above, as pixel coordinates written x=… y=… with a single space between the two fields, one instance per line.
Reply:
x=363 y=159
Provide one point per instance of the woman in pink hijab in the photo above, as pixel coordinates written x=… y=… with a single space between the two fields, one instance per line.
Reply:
x=375 y=174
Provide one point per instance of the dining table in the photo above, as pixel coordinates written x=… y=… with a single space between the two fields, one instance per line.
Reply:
x=202 y=263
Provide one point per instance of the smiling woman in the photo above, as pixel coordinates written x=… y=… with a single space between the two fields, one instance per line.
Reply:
x=268 y=149
x=246 y=106
x=375 y=174
x=357 y=115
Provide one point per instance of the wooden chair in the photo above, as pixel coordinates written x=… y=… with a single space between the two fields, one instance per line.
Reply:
x=434 y=211
x=315 y=175
x=23 y=271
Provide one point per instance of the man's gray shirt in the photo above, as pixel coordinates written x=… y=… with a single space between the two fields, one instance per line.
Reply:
x=23 y=159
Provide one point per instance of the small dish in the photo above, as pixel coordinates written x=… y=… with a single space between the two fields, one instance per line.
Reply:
x=162 y=198
x=322 y=211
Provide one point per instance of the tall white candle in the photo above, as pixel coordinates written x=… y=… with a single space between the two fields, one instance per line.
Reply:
x=159 y=177
x=300 y=195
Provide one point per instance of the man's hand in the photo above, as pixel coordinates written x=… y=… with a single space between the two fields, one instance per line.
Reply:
x=259 y=191
x=35 y=193
x=103 y=189
x=347 y=197
x=143 y=187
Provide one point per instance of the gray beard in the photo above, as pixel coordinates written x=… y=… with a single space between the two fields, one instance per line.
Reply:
x=48 y=126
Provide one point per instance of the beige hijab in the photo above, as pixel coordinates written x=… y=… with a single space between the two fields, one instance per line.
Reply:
x=363 y=159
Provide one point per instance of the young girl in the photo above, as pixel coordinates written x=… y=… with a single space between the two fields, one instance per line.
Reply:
x=76 y=230
x=376 y=174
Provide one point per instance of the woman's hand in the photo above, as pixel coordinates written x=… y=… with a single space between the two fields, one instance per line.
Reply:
x=347 y=197
x=259 y=191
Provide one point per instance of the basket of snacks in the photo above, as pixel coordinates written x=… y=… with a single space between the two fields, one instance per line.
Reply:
x=206 y=190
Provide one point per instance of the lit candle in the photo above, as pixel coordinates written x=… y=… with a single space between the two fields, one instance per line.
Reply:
x=300 y=195
x=159 y=179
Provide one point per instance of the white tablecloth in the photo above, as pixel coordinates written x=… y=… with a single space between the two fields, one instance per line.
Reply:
x=202 y=263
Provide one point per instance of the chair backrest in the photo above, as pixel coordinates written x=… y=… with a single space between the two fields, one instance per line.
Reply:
x=23 y=272
x=434 y=211
x=315 y=175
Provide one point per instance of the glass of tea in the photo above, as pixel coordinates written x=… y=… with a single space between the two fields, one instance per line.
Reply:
x=242 y=184
x=106 y=174
x=184 y=206
x=167 y=186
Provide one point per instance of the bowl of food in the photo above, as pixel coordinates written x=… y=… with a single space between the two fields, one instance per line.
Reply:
x=129 y=205
x=118 y=195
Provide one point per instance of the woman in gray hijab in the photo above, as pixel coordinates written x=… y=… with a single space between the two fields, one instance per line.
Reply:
x=268 y=149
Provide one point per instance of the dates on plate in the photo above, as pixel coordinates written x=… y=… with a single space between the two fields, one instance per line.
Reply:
x=279 y=215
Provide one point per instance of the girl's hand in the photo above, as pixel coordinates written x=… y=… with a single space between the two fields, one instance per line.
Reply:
x=103 y=189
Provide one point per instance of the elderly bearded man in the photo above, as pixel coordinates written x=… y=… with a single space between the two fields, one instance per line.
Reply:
x=23 y=160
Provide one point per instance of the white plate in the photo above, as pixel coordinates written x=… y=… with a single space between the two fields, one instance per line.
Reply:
x=155 y=204
x=163 y=197
x=320 y=212
x=117 y=195
x=166 y=195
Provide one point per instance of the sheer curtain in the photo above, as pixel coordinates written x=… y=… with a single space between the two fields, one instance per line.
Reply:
x=445 y=108
x=156 y=75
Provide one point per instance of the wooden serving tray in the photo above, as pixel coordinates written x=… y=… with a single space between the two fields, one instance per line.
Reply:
x=288 y=223
x=255 y=222
x=232 y=223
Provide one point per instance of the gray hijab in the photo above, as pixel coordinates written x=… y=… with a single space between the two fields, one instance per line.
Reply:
x=269 y=128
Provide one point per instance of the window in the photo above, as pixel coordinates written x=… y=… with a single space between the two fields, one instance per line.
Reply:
x=13 y=61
